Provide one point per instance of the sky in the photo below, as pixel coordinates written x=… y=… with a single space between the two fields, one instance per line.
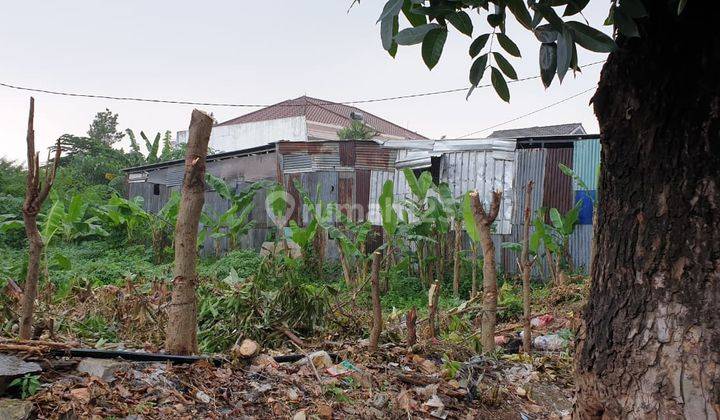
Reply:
x=257 y=53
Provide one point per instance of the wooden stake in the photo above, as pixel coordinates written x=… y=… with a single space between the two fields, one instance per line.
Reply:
x=411 y=323
x=526 y=265
x=456 y=258
x=182 y=312
x=433 y=296
x=484 y=221
x=35 y=195
x=377 y=324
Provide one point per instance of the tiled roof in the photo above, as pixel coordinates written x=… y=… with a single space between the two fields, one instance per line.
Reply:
x=324 y=112
x=546 y=130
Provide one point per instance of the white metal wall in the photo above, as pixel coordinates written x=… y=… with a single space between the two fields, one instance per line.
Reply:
x=225 y=138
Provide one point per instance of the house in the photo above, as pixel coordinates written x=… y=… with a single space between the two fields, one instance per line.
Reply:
x=352 y=173
x=300 y=119
x=542 y=131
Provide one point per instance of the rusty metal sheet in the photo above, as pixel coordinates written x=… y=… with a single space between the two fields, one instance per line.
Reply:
x=347 y=153
x=362 y=193
x=323 y=148
x=346 y=199
x=291 y=147
x=557 y=187
x=372 y=156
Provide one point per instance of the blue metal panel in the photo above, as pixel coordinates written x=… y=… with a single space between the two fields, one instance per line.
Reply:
x=586 y=159
x=586 y=212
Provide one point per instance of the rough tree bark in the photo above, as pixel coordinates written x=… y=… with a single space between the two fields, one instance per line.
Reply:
x=182 y=312
x=484 y=221
x=411 y=323
x=35 y=195
x=377 y=324
x=526 y=265
x=650 y=343
x=474 y=251
x=433 y=297
x=456 y=258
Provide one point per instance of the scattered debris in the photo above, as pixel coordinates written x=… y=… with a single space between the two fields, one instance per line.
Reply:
x=542 y=320
x=550 y=342
x=247 y=349
x=101 y=368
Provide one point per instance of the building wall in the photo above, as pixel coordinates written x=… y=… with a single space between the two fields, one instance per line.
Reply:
x=225 y=138
x=239 y=172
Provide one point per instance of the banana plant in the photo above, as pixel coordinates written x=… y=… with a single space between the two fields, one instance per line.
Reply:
x=474 y=235
x=233 y=223
x=351 y=238
x=422 y=226
x=128 y=215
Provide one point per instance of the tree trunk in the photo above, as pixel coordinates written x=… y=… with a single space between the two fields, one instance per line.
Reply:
x=474 y=250
x=35 y=248
x=433 y=298
x=456 y=258
x=650 y=343
x=526 y=268
x=35 y=195
x=411 y=323
x=484 y=221
x=182 y=311
x=377 y=324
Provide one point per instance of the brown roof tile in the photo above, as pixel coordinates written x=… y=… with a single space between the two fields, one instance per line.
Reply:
x=324 y=112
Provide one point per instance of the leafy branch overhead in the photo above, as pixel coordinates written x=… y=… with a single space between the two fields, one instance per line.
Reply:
x=554 y=24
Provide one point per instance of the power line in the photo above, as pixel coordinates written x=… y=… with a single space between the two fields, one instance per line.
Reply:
x=236 y=105
x=529 y=113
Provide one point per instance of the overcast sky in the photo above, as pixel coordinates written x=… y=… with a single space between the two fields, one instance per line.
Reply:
x=250 y=52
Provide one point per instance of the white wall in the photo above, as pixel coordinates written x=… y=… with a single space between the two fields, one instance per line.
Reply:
x=226 y=138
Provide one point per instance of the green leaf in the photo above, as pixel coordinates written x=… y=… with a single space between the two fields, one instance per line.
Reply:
x=508 y=45
x=413 y=183
x=512 y=246
x=555 y=218
x=478 y=69
x=387 y=211
x=564 y=53
x=590 y=38
x=469 y=219
x=521 y=12
x=415 y=19
x=575 y=6
x=478 y=44
x=392 y=8
x=534 y=242
x=432 y=46
x=548 y=63
x=545 y=33
x=495 y=19
x=505 y=66
x=414 y=35
x=625 y=24
x=219 y=185
x=681 y=6
x=53 y=221
x=498 y=82
x=550 y=16
x=387 y=33
x=461 y=21
x=633 y=8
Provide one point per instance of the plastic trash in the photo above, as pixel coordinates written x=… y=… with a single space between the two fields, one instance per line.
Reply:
x=550 y=342
x=542 y=320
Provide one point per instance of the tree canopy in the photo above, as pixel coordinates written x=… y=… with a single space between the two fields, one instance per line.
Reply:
x=557 y=24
